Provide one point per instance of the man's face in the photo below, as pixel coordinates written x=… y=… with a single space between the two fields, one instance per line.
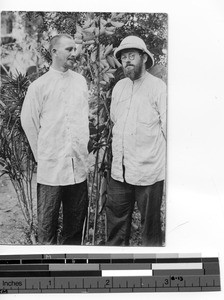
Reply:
x=65 y=51
x=133 y=63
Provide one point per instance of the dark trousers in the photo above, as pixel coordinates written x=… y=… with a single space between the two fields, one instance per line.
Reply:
x=119 y=208
x=74 y=199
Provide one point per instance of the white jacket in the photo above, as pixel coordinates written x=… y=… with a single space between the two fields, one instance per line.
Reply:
x=55 y=119
x=138 y=111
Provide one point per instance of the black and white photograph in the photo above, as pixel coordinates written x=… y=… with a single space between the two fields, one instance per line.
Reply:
x=130 y=157
x=83 y=133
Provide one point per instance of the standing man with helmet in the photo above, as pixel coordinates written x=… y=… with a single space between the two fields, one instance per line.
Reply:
x=138 y=112
x=55 y=119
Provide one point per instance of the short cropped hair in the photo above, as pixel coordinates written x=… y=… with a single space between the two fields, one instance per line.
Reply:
x=55 y=39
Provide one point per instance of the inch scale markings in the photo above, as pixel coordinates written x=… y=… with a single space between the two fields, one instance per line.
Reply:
x=108 y=273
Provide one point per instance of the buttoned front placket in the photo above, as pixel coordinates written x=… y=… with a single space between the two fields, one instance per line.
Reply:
x=126 y=130
x=129 y=129
x=68 y=128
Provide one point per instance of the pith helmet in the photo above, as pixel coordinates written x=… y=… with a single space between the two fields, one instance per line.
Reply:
x=136 y=43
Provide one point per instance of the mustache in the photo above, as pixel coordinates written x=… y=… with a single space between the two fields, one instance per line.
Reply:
x=129 y=65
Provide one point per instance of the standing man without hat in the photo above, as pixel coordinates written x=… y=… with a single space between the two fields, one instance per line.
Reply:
x=138 y=112
x=55 y=119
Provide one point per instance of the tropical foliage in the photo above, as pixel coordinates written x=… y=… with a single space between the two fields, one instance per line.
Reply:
x=16 y=157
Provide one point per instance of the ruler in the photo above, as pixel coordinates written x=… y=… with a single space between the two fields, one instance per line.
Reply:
x=108 y=273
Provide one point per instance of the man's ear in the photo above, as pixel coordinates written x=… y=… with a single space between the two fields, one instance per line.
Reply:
x=145 y=57
x=53 y=51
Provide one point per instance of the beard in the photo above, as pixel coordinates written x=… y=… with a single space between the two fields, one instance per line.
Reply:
x=133 y=71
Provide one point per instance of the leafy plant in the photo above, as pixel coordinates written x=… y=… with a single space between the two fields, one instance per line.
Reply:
x=16 y=157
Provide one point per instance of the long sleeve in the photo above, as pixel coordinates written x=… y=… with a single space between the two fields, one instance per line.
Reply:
x=30 y=115
x=86 y=103
x=112 y=107
x=85 y=109
x=161 y=106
